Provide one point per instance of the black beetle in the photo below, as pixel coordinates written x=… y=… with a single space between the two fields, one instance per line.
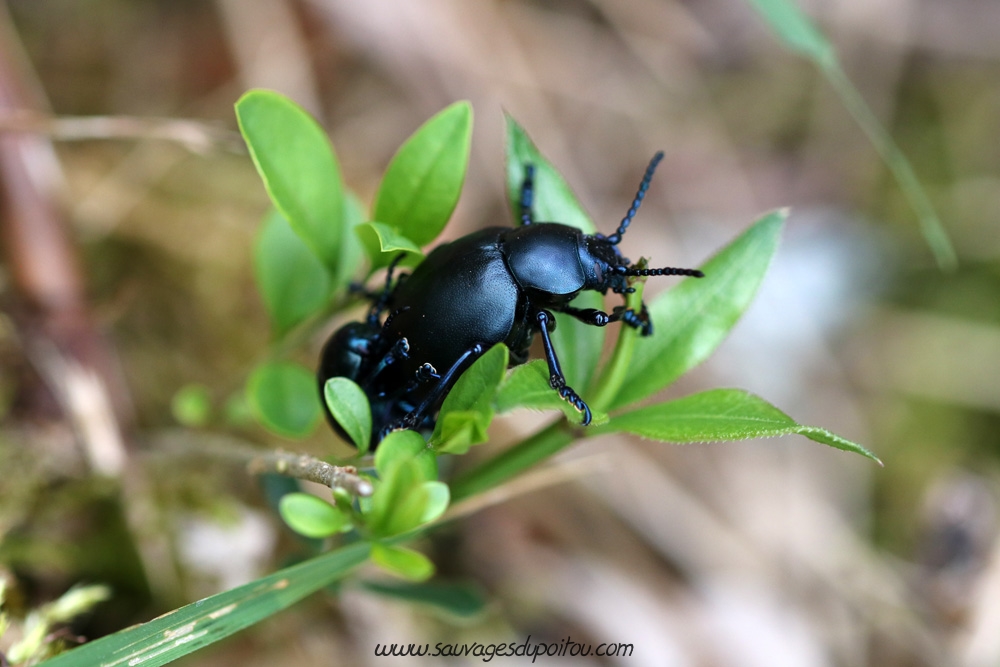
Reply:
x=497 y=285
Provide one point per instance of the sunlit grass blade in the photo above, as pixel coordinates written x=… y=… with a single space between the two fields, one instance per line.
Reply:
x=197 y=625
x=798 y=33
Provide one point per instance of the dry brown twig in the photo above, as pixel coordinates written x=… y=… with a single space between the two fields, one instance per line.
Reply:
x=197 y=136
x=259 y=461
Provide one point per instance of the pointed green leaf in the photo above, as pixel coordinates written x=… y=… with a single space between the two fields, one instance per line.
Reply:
x=204 y=622
x=578 y=345
x=383 y=242
x=284 y=399
x=690 y=320
x=300 y=171
x=348 y=404
x=463 y=600
x=422 y=184
x=403 y=562
x=527 y=386
x=292 y=281
x=311 y=516
x=721 y=414
x=554 y=200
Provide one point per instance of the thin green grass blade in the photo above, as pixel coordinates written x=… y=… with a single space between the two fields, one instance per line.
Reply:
x=798 y=33
x=199 y=624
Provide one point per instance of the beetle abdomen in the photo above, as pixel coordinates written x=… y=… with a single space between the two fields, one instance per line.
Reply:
x=462 y=294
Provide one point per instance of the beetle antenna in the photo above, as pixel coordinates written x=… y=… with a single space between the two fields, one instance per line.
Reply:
x=665 y=271
x=637 y=202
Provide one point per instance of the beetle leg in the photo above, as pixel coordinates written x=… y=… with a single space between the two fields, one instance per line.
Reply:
x=556 y=378
x=635 y=320
x=527 y=195
x=381 y=300
x=592 y=316
x=425 y=373
x=400 y=350
x=444 y=383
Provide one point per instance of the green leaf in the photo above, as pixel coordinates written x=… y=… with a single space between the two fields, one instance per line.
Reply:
x=527 y=386
x=352 y=251
x=399 y=501
x=284 y=399
x=693 y=318
x=311 y=516
x=192 y=405
x=721 y=414
x=349 y=406
x=473 y=393
x=202 y=623
x=402 y=446
x=292 y=281
x=554 y=200
x=798 y=33
x=463 y=600
x=299 y=169
x=403 y=562
x=438 y=496
x=383 y=242
x=458 y=430
x=422 y=184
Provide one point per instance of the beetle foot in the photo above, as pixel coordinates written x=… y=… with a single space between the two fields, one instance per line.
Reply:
x=636 y=320
x=427 y=372
x=566 y=393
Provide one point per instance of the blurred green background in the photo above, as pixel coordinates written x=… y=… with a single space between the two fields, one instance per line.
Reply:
x=761 y=553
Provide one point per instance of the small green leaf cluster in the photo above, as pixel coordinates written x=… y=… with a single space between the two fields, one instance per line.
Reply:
x=407 y=496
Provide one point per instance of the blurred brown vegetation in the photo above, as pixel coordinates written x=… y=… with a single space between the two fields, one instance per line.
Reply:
x=761 y=553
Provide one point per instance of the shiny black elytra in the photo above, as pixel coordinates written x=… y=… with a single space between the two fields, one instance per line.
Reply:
x=497 y=285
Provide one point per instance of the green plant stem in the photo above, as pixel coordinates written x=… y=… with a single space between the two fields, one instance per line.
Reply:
x=613 y=376
x=518 y=458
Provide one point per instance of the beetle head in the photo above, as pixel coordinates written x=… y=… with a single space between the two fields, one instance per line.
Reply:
x=603 y=262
